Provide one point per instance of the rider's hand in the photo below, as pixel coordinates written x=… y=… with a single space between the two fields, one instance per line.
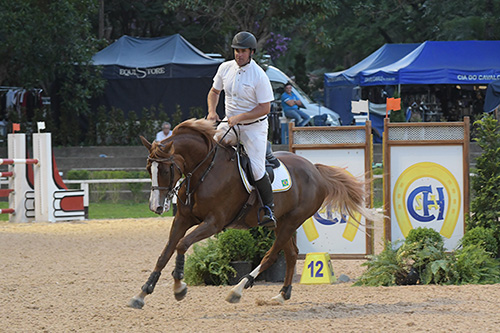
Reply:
x=234 y=120
x=213 y=117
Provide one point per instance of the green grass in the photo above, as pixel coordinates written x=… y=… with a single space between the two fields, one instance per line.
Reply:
x=109 y=210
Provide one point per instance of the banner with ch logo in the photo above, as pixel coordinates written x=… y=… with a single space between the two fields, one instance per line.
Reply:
x=347 y=147
x=426 y=181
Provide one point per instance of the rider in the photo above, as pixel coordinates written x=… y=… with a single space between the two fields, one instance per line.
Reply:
x=248 y=96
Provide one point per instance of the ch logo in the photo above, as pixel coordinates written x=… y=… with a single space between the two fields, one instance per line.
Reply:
x=427 y=192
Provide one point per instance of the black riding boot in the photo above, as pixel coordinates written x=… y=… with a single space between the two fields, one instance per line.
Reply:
x=263 y=185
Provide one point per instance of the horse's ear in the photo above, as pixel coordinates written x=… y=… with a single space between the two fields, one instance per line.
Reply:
x=145 y=142
x=169 y=148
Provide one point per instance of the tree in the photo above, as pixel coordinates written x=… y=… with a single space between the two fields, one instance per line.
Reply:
x=261 y=17
x=44 y=41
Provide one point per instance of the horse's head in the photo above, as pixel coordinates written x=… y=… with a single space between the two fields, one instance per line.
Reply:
x=163 y=167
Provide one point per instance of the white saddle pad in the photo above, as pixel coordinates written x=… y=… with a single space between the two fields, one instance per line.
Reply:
x=282 y=181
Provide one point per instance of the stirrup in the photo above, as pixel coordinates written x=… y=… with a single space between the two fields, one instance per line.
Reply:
x=268 y=220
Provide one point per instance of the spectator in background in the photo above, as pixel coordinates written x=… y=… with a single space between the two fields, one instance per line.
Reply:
x=290 y=104
x=165 y=132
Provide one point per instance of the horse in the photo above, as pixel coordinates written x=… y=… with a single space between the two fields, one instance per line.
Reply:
x=212 y=197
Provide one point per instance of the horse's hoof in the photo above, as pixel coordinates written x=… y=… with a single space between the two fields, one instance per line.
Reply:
x=233 y=297
x=180 y=295
x=136 y=302
x=279 y=298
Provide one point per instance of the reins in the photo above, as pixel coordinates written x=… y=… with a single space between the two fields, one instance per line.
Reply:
x=187 y=180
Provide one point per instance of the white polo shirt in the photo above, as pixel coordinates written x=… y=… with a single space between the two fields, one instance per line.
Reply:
x=245 y=87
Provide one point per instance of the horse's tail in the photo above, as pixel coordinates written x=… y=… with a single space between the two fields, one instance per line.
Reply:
x=345 y=193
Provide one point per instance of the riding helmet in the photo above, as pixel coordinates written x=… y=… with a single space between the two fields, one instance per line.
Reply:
x=244 y=40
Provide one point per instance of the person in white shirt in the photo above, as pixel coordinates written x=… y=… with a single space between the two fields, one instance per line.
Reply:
x=164 y=133
x=248 y=96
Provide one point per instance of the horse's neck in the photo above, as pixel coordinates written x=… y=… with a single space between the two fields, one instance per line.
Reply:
x=193 y=152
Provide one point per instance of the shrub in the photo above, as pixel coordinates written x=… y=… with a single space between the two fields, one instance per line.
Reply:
x=483 y=237
x=210 y=262
x=207 y=265
x=236 y=245
x=424 y=236
x=474 y=265
x=486 y=183
x=382 y=268
x=422 y=258
x=263 y=240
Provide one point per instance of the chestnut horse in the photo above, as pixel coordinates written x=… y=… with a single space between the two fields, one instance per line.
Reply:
x=212 y=197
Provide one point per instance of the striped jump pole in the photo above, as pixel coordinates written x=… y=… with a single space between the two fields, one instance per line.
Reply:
x=36 y=190
x=10 y=161
x=21 y=190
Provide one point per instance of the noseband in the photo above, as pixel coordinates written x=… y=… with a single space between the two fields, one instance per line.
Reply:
x=172 y=175
x=187 y=180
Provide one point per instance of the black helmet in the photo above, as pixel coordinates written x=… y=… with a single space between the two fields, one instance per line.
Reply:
x=244 y=40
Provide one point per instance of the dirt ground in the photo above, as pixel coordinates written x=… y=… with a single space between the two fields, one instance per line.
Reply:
x=66 y=277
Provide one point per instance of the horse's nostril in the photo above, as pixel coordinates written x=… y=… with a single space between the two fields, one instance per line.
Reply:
x=159 y=210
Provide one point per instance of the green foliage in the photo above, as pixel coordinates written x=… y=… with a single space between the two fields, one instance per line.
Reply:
x=210 y=262
x=424 y=236
x=422 y=258
x=177 y=116
x=474 y=265
x=264 y=239
x=381 y=269
x=197 y=112
x=482 y=237
x=486 y=183
x=207 y=265
x=236 y=245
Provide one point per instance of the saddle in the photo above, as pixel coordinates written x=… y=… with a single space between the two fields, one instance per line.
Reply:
x=271 y=163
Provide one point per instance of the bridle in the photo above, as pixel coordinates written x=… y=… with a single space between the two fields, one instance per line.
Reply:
x=171 y=190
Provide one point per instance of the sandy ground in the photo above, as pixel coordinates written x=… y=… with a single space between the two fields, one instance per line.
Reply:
x=66 y=277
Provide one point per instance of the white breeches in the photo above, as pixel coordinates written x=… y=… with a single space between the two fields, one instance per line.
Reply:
x=254 y=138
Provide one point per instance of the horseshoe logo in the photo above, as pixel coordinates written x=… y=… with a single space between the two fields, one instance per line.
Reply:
x=403 y=205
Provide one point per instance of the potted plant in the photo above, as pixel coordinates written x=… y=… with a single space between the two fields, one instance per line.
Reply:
x=264 y=239
x=238 y=247
x=221 y=260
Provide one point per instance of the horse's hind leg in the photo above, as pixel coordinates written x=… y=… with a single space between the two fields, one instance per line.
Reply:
x=291 y=254
x=284 y=240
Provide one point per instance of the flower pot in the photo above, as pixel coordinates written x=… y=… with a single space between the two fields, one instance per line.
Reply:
x=242 y=268
x=276 y=273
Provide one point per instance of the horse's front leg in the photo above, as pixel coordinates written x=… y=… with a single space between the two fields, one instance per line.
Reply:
x=204 y=230
x=176 y=233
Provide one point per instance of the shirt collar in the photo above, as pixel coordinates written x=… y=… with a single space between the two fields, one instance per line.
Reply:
x=245 y=67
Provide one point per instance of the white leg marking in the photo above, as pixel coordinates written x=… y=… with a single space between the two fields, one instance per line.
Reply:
x=255 y=272
x=279 y=298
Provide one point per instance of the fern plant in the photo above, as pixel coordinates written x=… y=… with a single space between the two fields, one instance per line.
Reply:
x=422 y=258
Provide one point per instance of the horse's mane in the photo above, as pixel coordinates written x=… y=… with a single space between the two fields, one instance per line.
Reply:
x=203 y=126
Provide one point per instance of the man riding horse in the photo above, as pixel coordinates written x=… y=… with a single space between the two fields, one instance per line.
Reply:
x=248 y=96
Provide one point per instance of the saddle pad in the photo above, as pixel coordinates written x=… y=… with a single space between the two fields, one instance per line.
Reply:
x=282 y=181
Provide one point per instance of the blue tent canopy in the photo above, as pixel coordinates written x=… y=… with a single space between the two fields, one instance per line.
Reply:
x=385 y=55
x=434 y=62
x=162 y=73
x=339 y=86
x=161 y=57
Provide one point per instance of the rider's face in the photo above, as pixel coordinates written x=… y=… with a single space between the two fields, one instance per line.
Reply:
x=288 y=88
x=242 y=56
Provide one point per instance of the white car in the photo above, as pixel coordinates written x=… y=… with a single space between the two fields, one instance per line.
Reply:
x=278 y=80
